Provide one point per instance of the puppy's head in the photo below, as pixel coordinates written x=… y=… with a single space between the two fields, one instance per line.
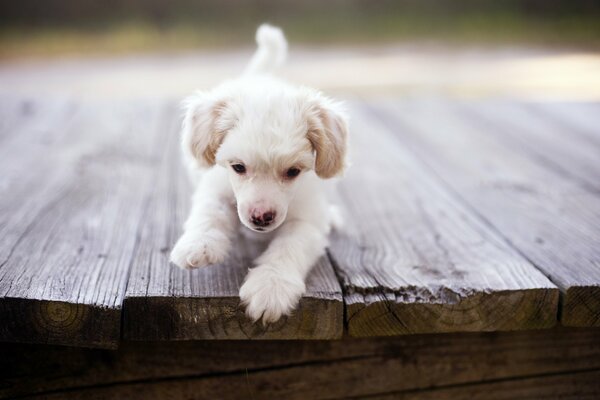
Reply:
x=270 y=137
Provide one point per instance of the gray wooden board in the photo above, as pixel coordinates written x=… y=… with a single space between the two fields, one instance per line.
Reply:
x=548 y=217
x=577 y=385
x=13 y=111
x=24 y=163
x=71 y=201
x=580 y=118
x=164 y=302
x=549 y=141
x=284 y=369
x=413 y=259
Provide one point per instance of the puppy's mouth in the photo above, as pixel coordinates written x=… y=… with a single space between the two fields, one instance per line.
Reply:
x=259 y=229
x=262 y=229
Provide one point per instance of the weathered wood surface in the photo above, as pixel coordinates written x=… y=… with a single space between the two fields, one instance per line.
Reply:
x=547 y=216
x=549 y=141
x=579 y=385
x=74 y=180
x=92 y=197
x=448 y=365
x=164 y=302
x=15 y=114
x=412 y=259
x=579 y=118
x=87 y=190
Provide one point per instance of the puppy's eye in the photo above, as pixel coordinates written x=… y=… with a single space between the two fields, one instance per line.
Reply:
x=239 y=168
x=292 y=172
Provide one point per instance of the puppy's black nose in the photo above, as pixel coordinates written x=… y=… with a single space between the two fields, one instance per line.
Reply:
x=268 y=217
x=263 y=219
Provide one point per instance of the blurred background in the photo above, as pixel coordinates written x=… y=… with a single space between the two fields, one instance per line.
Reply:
x=518 y=48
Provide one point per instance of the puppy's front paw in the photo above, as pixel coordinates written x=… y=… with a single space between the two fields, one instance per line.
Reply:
x=199 y=250
x=270 y=294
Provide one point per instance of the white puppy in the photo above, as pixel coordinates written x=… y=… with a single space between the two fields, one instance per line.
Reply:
x=262 y=146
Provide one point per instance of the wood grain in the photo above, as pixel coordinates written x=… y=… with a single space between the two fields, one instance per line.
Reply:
x=580 y=385
x=547 y=216
x=579 y=118
x=15 y=112
x=70 y=206
x=413 y=259
x=303 y=369
x=166 y=303
x=442 y=242
x=549 y=141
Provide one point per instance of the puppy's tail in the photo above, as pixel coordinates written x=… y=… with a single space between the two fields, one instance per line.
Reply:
x=271 y=52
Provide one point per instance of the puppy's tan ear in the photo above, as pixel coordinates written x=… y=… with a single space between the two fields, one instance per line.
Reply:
x=205 y=125
x=328 y=134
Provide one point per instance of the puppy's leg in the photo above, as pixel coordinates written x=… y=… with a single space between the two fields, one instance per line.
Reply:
x=207 y=232
x=274 y=287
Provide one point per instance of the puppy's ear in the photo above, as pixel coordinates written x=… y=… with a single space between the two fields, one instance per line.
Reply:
x=328 y=134
x=206 y=122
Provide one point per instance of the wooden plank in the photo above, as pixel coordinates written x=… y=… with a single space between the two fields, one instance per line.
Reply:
x=69 y=216
x=166 y=303
x=295 y=369
x=414 y=260
x=28 y=140
x=546 y=139
x=548 y=218
x=578 y=385
x=580 y=118
x=13 y=112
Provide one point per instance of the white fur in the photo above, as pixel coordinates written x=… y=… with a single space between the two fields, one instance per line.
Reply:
x=271 y=52
x=264 y=124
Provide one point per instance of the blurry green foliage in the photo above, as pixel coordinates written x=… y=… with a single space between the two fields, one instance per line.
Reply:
x=31 y=27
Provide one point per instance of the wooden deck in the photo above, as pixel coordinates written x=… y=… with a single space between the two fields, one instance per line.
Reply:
x=547 y=364
x=462 y=216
